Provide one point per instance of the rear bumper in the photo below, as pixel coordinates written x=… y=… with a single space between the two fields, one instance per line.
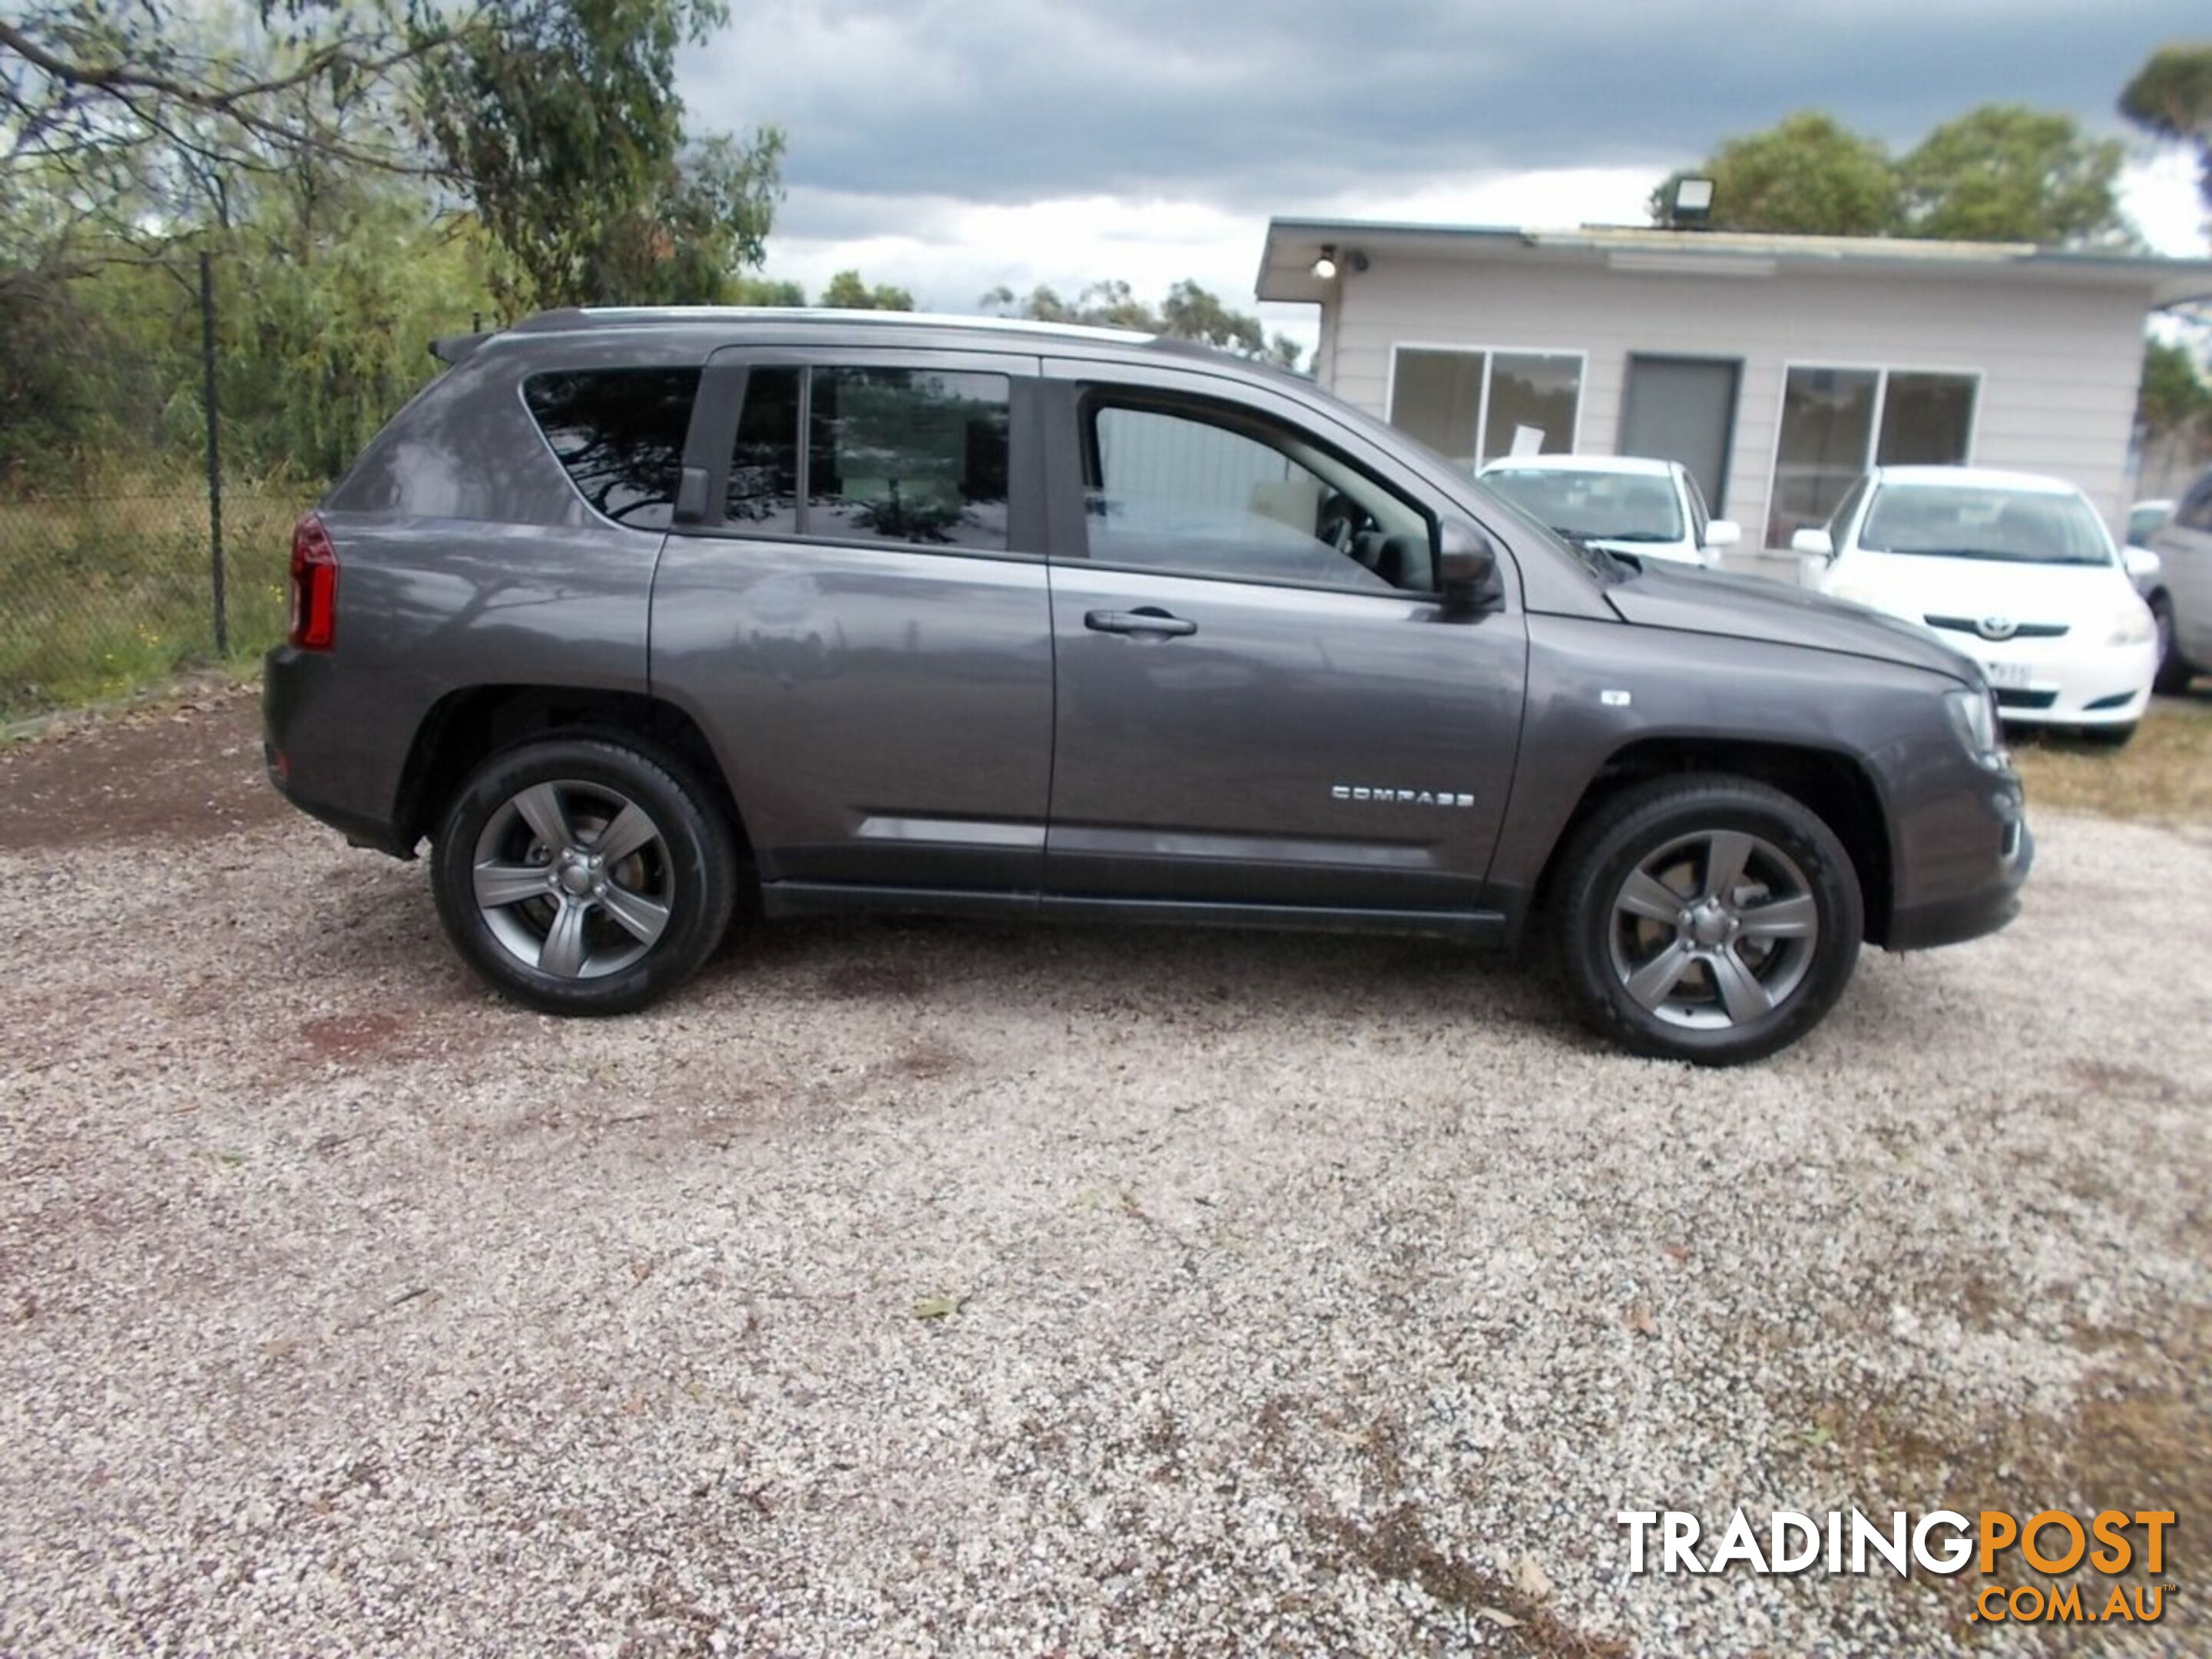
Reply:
x=312 y=747
x=1979 y=911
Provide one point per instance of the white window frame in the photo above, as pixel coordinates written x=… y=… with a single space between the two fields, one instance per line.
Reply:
x=1881 y=372
x=1489 y=355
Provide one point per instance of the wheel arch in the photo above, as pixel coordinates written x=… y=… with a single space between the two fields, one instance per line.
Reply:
x=1829 y=783
x=466 y=725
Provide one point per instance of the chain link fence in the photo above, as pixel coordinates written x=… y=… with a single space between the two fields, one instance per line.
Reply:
x=126 y=561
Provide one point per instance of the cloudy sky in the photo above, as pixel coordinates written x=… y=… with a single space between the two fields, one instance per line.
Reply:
x=951 y=145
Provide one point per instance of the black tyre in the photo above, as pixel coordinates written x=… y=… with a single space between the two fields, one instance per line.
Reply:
x=2174 y=672
x=584 y=875
x=1707 y=918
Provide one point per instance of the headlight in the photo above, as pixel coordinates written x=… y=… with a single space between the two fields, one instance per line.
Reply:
x=1974 y=717
x=2132 y=625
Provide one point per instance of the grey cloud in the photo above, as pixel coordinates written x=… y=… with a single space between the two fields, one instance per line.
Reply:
x=1266 y=105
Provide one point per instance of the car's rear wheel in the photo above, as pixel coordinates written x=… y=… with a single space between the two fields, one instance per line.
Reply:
x=2174 y=672
x=584 y=875
x=1708 y=919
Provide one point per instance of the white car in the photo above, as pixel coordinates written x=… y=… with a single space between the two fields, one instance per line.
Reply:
x=2016 y=569
x=1624 y=503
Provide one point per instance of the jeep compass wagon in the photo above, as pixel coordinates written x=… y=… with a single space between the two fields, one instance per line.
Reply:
x=630 y=610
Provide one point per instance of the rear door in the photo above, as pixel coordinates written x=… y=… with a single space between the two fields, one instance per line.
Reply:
x=1262 y=699
x=858 y=615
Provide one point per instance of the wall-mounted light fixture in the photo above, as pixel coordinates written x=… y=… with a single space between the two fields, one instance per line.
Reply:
x=1325 y=267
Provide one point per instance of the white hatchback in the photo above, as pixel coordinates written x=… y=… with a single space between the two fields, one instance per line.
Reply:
x=1623 y=503
x=2017 y=569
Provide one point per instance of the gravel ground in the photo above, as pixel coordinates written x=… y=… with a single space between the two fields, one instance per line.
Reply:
x=1294 y=1295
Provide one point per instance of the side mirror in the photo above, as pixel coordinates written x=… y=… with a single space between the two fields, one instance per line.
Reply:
x=1813 y=544
x=2143 y=564
x=1723 y=532
x=1466 y=568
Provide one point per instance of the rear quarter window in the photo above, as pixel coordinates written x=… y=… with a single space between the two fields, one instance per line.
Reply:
x=618 y=433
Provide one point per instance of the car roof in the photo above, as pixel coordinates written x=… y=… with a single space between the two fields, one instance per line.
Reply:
x=1643 y=466
x=1974 y=477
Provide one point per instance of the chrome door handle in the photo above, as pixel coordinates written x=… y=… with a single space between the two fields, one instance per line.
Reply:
x=1146 y=620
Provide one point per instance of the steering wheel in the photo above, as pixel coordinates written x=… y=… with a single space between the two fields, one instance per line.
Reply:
x=1340 y=521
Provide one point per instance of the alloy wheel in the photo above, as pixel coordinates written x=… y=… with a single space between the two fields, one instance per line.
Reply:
x=1713 y=930
x=574 y=879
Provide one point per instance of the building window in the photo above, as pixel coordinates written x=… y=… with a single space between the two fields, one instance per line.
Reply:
x=1470 y=405
x=1836 y=422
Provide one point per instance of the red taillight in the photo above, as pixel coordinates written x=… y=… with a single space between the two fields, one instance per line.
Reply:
x=314 y=586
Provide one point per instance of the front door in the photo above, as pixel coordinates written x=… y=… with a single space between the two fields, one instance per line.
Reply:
x=1262 y=699
x=1682 y=408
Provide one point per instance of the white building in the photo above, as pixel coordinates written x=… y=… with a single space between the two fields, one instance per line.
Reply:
x=1776 y=368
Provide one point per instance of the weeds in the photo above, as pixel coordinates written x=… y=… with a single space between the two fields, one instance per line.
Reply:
x=104 y=595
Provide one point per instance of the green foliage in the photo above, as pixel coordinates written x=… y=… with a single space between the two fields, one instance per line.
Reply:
x=1806 y=176
x=2000 y=173
x=846 y=292
x=748 y=290
x=1189 y=313
x=560 y=120
x=2006 y=173
x=2174 y=393
x=2171 y=97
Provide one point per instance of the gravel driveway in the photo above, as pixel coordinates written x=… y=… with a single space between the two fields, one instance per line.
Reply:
x=1291 y=1295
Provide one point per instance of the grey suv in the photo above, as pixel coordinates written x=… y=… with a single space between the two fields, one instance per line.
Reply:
x=630 y=611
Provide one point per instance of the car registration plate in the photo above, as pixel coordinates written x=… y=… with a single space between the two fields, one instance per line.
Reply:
x=2008 y=676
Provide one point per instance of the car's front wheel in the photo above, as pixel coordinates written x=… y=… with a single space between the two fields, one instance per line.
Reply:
x=1709 y=919
x=583 y=875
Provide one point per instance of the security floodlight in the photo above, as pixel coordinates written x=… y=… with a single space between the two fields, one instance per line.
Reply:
x=1693 y=201
x=1325 y=267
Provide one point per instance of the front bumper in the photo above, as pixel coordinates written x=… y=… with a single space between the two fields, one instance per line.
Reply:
x=2039 y=683
x=1980 y=909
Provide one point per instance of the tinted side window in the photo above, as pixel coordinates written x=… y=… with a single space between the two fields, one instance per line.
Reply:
x=907 y=455
x=763 y=492
x=619 y=433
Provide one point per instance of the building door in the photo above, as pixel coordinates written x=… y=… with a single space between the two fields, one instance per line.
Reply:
x=1683 y=409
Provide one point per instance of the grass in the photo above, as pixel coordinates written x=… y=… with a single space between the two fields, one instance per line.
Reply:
x=2164 y=776
x=103 y=596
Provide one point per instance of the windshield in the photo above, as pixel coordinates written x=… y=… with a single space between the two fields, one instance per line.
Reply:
x=1964 y=521
x=1614 y=506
